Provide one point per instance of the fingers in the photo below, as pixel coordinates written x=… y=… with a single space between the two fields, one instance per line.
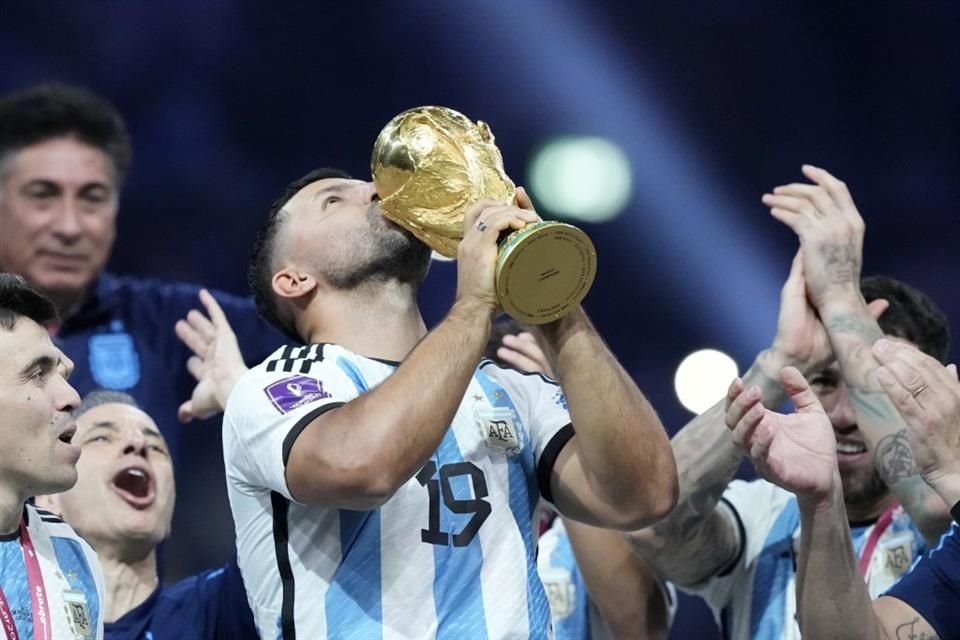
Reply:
x=523 y=199
x=877 y=307
x=799 y=391
x=741 y=404
x=837 y=189
x=733 y=391
x=185 y=412
x=813 y=199
x=493 y=220
x=747 y=431
x=899 y=395
x=522 y=351
x=794 y=286
x=217 y=318
x=912 y=368
x=473 y=212
x=197 y=367
x=196 y=340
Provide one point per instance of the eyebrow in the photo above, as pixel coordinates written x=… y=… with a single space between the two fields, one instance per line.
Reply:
x=340 y=186
x=111 y=426
x=43 y=363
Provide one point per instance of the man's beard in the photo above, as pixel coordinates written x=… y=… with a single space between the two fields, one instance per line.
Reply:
x=392 y=254
x=863 y=488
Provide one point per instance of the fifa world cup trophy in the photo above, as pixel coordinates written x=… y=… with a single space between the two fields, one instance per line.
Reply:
x=431 y=163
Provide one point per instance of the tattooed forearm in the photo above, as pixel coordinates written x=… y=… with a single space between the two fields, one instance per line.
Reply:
x=894 y=459
x=859 y=324
x=909 y=631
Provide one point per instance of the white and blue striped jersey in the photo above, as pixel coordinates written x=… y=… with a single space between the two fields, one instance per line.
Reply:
x=451 y=555
x=575 y=616
x=70 y=587
x=755 y=597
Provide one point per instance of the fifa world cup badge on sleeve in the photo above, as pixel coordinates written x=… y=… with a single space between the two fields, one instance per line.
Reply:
x=293 y=392
x=499 y=429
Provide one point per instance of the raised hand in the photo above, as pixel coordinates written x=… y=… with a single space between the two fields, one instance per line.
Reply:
x=927 y=395
x=216 y=362
x=825 y=218
x=522 y=352
x=796 y=451
x=477 y=253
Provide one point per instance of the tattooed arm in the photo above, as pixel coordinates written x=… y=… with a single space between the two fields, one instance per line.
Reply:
x=830 y=228
x=697 y=540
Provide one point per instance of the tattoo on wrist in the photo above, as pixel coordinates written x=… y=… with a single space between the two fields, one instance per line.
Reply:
x=909 y=631
x=856 y=324
x=843 y=262
x=895 y=458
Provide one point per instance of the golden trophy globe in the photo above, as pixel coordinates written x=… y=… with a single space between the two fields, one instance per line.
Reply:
x=430 y=164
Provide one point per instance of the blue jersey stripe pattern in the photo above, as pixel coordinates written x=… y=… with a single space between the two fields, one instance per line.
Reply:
x=775 y=569
x=13 y=579
x=575 y=626
x=457 y=592
x=524 y=494
x=353 y=605
x=74 y=566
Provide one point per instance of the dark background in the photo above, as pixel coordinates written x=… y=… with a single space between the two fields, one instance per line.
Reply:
x=714 y=102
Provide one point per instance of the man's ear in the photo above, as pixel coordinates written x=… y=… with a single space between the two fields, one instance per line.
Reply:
x=49 y=502
x=292 y=283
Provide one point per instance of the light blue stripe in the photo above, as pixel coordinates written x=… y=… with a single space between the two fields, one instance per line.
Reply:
x=457 y=591
x=13 y=579
x=353 y=373
x=775 y=569
x=353 y=602
x=523 y=493
x=353 y=605
x=574 y=626
x=76 y=570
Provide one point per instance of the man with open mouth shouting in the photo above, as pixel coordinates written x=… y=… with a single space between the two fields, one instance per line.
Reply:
x=123 y=505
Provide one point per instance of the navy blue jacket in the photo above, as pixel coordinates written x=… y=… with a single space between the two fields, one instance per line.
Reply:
x=209 y=606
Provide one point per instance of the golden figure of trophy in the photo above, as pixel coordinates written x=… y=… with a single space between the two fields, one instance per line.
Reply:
x=430 y=164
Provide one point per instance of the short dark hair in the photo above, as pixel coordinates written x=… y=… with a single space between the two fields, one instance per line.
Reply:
x=99 y=397
x=19 y=300
x=260 y=268
x=912 y=315
x=46 y=111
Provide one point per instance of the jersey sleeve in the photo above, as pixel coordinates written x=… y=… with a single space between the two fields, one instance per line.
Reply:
x=932 y=586
x=752 y=509
x=265 y=414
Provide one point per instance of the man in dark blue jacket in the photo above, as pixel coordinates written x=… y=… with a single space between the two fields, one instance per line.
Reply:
x=64 y=154
x=122 y=504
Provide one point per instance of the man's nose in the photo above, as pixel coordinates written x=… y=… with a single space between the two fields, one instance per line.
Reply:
x=67 y=224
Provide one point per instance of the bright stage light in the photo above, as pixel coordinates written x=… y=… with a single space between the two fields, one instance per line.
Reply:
x=703 y=378
x=581 y=178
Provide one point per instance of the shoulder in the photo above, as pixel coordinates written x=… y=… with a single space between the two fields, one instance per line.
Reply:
x=510 y=375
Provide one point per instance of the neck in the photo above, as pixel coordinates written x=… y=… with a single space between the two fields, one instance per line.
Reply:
x=866 y=511
x=11 y=510
x=377 y=320
x=128 y=581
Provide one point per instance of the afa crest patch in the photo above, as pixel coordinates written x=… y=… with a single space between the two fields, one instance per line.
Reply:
x=114 y=361
x=500 y=430
x=293 y=392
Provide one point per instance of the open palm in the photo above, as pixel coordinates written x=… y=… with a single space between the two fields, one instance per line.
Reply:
x=795 y=451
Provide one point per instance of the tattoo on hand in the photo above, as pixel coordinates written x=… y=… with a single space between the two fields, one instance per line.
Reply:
x=857 y=324
x=908 y=631
x=895 y=458
x=843 y=262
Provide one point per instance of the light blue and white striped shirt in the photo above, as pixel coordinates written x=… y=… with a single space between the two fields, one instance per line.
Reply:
x=451 y=555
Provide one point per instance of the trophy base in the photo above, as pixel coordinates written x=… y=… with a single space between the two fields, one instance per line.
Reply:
x=543 y=271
